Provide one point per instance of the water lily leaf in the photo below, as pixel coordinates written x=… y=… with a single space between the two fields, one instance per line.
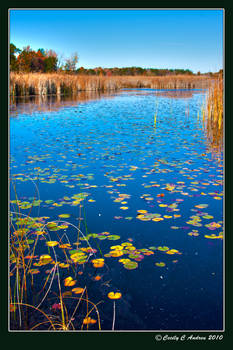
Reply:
x=51 y=225
x=126 y=244
x=62 y=227
x=89 y=320
x=73 y=251
x=34 y=271
x=163 y=249
x=116 y=247
x=98 y=262
x=160 y=264
x=101 y=237
x=116 y=253
x=112 y=295
x=39 y=233
x=51 y=243
x=213 y=236
x=49 y=201
x=207 y=217
x=64 y=216
x=124 y=261
x=25 y=206
x=172 y=251
x=130 y=265
x=45 y=259
x=65 y=246
x=69 y=282
x=201 y=206
x=113 y=237
x=63 y=265
x=78 y=290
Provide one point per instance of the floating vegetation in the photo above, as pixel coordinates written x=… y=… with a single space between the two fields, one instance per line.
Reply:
x=101 y=202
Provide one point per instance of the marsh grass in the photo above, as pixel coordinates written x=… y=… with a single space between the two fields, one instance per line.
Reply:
x=41 y=303
x=26 y=84
x=213 y=115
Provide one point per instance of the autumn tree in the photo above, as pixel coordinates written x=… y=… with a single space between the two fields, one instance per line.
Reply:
x=70 y=63
x=51 y=61
x=13 y=60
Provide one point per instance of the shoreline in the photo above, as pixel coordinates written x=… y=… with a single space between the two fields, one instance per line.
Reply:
x=44 y=84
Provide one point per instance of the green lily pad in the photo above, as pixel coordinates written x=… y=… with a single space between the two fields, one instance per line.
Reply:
x=49 y=201
x=160 y=264
x=207 y=217
x=113 y=237
x=163 y=249
x=75 y=251
x=101 y=237
x=131 y=265
x=64 y=216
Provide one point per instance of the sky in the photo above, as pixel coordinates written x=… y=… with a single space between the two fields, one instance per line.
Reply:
x=182 y=39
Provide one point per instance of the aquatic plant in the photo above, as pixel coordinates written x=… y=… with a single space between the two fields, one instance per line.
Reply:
x=24 y=84
x=41 y=302
x=213 y=114
x=149 y=182
x=45 y=269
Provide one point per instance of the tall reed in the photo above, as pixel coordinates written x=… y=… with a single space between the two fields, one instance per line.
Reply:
x=213 y=114
x=22 y=84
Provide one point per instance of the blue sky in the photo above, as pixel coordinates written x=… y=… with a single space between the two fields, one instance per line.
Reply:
x=186 y=39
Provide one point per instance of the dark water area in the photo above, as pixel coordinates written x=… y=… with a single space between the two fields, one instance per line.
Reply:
x=153 y=183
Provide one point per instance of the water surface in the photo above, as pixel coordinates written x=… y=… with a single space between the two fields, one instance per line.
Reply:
x=111 y=148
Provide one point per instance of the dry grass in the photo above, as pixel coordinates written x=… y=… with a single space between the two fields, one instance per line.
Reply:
x=213 y=115
x=22 y=84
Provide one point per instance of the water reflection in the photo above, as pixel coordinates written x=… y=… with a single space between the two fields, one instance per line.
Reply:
x=30 y=104
x=177 y=93
x=169 y=93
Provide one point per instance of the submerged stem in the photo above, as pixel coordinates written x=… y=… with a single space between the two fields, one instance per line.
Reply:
x=114 y=315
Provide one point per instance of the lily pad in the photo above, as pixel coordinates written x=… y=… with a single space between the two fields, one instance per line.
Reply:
x=130 y=265
x=113 y=237
x=163 y=249
x=160 y=264
x=64 y=216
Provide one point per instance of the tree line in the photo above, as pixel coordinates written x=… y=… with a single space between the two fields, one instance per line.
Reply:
x=44 y=61
x=47 y=61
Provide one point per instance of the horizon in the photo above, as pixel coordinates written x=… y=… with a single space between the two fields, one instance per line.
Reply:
x=186 y=39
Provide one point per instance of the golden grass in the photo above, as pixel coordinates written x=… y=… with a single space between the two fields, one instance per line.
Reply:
x=214 y=114
x=22 y=84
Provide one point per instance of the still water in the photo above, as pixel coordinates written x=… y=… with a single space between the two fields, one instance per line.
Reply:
x=123 y=176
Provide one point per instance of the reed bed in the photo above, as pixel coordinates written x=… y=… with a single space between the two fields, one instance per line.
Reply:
x=25 y=84
x=213 y=115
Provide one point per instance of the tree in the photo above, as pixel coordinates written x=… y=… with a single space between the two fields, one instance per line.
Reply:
x=25 y=59
x=13 y=60
x=37 y=64
x=70 y=63
x=51 y=61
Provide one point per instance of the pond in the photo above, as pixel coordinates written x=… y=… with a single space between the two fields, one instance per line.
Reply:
x=127 y=177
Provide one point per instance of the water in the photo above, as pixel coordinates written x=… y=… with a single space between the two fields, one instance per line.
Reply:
x=110 y=147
